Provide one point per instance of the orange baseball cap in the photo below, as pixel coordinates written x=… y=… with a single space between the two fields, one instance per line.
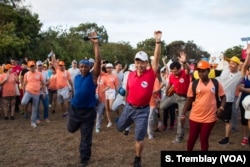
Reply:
x=61 y=63
x=31 y=63
x=203 y=65
x=8 y=66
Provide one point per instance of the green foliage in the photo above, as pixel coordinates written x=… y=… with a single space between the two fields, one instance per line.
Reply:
x=234 y=51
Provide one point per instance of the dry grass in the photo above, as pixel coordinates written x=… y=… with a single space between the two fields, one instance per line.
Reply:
x=50 y=145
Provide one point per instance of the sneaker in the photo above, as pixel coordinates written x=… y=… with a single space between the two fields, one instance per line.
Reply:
x=38 y=121
x=12 y=118
x=176 y=140
x=6 y=118
x=50 y=105
x=244 y=141
x=150 y=137
x=109 y=125
x=97 y=130
x=33 y=125
x=224 y=141
x=137 y=162
x=65 y=114
x=47 y=120
x=126 y=132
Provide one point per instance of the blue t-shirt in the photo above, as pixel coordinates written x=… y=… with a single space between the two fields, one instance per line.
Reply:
x=246 y=83
x=84 y=92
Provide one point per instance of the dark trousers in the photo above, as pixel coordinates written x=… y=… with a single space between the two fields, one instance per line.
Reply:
x=169 y=112
x=85 y=120
x=196 y=129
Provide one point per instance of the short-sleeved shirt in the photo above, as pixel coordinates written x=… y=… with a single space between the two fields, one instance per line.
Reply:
x=155 y=96
x=140 y=88
x=33 y=82
x=62 y=78
x=204 y=107
x=52 y=82
x=101 y=85
x=180 y=82
x=229 y=82
x=9 y=87
x=112 y=80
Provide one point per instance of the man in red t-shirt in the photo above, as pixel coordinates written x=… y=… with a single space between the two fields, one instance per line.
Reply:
x=139 y=91
x=179 y=80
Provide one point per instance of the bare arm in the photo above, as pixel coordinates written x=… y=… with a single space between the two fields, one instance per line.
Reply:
x=183 y=60
x=97 y=65
x=157 y=52
x=245 y=64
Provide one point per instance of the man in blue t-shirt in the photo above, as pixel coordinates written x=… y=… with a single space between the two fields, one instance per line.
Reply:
x=82 y=112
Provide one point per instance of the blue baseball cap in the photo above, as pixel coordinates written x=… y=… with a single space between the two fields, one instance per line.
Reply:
x=85 y=61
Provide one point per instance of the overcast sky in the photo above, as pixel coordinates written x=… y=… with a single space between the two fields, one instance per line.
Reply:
x=214 y=25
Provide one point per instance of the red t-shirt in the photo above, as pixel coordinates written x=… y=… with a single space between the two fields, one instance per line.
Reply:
x=140 y=88
x=180 y=82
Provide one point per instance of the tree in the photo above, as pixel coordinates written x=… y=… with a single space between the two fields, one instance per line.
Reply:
x=85 y=28
x=234 y=51
x=23 y=29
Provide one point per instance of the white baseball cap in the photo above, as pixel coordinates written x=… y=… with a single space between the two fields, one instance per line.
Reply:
x=141 y=55
x=109 y=65
x=246 y=105
x=39 y=62
x=131 y=67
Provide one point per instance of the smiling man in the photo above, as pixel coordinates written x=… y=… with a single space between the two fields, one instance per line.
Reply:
x=139 y=91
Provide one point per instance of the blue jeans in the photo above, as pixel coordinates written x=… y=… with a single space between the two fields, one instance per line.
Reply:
x=85 y=120
x=35 y=101
x=45 y=102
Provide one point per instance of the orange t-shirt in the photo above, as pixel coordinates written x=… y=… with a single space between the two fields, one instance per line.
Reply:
x=204 y=107
x=32 y=80
x=101 y=86
x=52 y=82
x=62 y=78
x=155 y=96
x=112 y=80
x=9 y=86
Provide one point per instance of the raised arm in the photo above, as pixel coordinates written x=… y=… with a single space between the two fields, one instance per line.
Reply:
x=157 y=52
x=97 y=66
x=246 y=62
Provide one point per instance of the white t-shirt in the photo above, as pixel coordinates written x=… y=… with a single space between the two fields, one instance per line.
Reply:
x=229 y=82
x=73 y=73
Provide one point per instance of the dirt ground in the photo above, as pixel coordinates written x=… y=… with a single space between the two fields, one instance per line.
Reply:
x=50 y=145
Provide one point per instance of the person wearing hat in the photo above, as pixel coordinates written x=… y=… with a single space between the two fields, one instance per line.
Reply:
x=203 y=115
x=64 y=85
x=32 y=91
x=229 y=78
x=139 y=90
x=43 y=98
x=245 y=91
x=8 y=82
x=112 y=85
x=82 y=110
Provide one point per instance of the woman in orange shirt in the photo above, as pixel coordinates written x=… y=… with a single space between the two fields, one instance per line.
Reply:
x=53 y=89
x=8 y=82
x=110 y=91
x=203 y=115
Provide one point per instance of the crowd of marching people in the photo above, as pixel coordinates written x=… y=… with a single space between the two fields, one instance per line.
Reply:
x=181 y=97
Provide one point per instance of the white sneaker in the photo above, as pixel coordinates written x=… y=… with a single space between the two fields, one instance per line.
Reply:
x=97 y=130
x=109 y=125
x=150 y=137
x=33 y=125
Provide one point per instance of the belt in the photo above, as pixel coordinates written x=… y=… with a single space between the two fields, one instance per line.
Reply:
x=181 y=95
x=137 y=107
